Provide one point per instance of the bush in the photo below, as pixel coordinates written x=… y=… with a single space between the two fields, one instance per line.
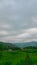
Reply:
x=1 y=64
x=1 y=54
x=8 y=63
x=28 y=60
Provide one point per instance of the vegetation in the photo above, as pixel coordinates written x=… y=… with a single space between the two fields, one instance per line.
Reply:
x=17 y=56
x=8 y=63
x=28 y=60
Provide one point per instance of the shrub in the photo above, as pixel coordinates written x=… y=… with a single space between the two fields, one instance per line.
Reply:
x=0 y=54
x=28 y=60
x=8 y=63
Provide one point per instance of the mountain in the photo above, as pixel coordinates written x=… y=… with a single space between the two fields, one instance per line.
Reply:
x=18 y=45
x=7 y=45
x=26 y=44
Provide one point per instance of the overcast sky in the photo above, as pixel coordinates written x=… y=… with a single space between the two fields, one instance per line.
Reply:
x=18 y=20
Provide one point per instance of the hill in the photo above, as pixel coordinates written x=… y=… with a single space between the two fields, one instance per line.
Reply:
x=5 y=45
x=26 y=44
x=16 y=46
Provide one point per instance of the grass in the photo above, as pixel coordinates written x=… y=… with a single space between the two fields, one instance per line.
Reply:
x=16 y=56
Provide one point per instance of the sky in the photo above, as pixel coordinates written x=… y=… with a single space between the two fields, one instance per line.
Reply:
x=18 y=20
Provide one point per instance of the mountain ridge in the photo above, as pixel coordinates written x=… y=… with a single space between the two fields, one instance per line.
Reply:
x=25 y=44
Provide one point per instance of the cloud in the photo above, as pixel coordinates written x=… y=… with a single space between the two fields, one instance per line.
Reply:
x=4 y=26
x=3 y=32
x=27 y=35
x=32 y=30
x=34 y=19
x=18 y=20
x=23 y=35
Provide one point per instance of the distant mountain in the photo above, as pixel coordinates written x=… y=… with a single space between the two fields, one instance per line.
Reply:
x=17 y=45
x=26 y=44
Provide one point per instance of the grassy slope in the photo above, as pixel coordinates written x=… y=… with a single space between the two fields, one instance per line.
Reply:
x=17 y=56
x=14 y=57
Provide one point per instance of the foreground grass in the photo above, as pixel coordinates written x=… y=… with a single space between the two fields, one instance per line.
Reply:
x=16 y=56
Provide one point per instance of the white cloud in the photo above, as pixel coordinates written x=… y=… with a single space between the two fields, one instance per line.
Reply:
x=23 y=35
x=27 y=35
x=3 y=32
x=32 y=30
x=28 y=32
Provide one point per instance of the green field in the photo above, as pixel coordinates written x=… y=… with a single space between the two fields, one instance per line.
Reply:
x=16 y=56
